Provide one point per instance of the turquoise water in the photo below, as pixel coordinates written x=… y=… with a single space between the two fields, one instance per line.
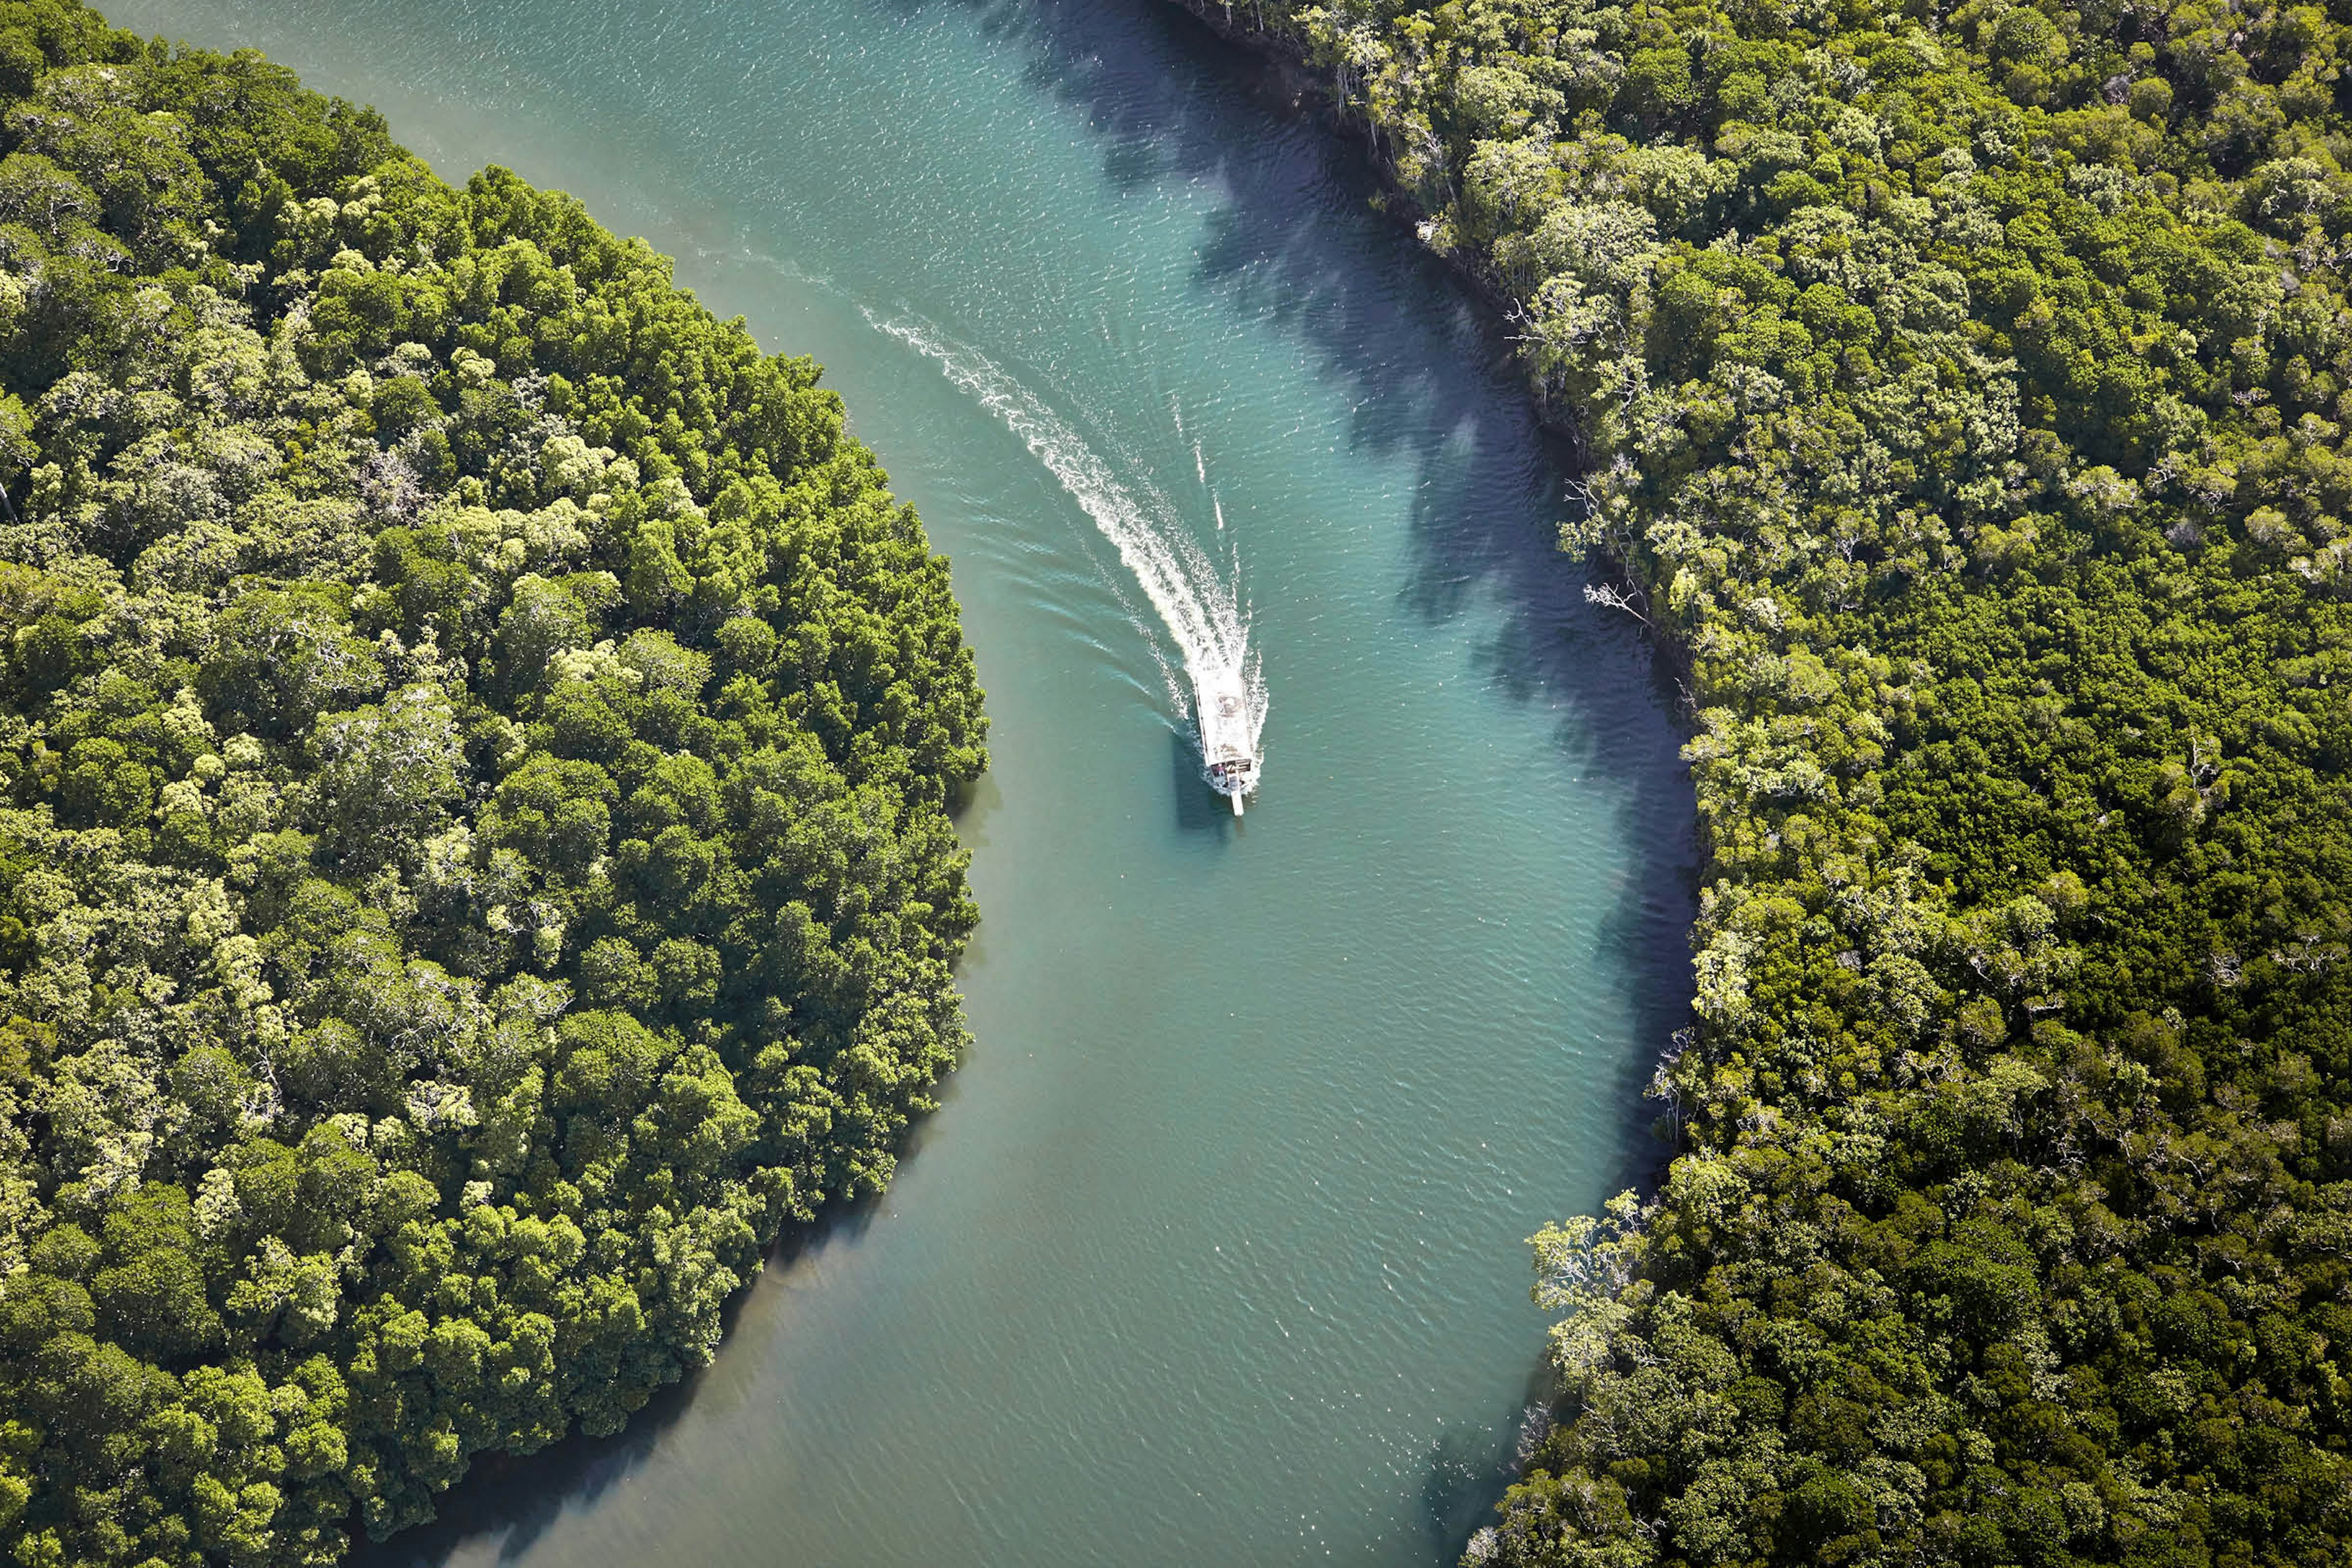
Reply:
x=1213 y=1254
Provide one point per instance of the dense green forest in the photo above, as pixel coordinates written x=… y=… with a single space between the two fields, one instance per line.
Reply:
x=475 y=746
x=1964 y=389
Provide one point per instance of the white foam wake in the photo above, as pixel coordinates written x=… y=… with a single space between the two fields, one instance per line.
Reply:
x=1199 y=607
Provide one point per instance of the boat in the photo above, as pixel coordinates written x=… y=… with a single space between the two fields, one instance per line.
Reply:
x=1227 y=743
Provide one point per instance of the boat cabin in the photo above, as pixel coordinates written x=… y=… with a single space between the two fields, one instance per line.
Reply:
x=1226 y=744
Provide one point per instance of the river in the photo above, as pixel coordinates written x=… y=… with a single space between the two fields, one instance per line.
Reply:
x=1213 y=1253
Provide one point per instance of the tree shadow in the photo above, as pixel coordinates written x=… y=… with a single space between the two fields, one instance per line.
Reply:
x=1468 y=1466
x=1457 y=1485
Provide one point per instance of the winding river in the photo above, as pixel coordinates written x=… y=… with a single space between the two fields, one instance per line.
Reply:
x=1213 y=1254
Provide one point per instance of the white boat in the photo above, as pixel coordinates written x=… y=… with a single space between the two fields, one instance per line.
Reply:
x=1226 y=742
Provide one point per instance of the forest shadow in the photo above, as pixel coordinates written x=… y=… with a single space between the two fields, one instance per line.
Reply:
x=1297 y=245
x=1468 y=1466
x=1457 y=1486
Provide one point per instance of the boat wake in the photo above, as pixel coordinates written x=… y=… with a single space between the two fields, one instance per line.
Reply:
x=1199 y=607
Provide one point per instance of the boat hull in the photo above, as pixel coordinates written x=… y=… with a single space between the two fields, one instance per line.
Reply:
x=1227 y=744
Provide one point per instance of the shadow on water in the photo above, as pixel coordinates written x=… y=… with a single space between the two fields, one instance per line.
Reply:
x=1198 y=808
x=1468 y=1466
x=514 y=1502
x=1459 y=1484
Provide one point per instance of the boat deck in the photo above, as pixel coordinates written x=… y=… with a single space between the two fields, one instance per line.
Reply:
x=1226 y=743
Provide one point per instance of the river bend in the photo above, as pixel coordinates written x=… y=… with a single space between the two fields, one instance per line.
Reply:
x=1213 y=1253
